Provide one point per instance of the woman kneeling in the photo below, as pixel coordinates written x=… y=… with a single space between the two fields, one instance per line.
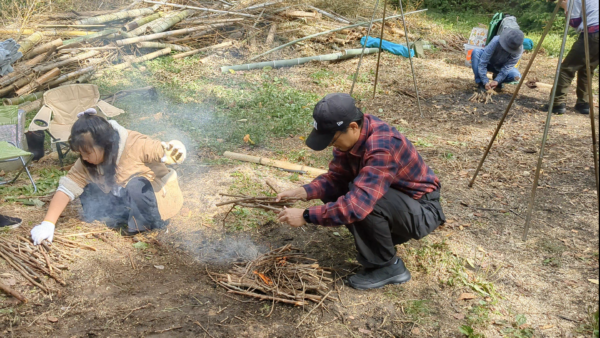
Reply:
x=121 y=178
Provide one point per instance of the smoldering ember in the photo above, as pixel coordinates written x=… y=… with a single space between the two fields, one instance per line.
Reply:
x=279 y=168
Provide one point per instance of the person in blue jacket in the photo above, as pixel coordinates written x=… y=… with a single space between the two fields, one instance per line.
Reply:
x=499 y=57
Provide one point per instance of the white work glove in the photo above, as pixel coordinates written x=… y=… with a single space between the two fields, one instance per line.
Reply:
x=175 y=152
x=41 y=232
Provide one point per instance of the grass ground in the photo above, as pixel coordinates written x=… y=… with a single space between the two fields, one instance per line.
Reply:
x=473 y=277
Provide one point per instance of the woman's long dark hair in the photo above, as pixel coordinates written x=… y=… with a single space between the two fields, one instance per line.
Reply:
x=104 y=136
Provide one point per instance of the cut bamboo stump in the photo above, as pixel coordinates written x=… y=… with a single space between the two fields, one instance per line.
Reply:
x=116 y=16
x=275 y=163
x=28 y=43
x=44 y=48
x=49 y=76
x=196 y=51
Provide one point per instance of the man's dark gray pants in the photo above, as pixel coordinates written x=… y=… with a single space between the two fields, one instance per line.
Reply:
x=396 y=219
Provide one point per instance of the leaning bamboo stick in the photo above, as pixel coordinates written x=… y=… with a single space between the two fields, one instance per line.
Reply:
x=22 y=99
x=156 y=36
x=196 y=51
x=165 y=23
x=44 y=48
x=28 y=43
x=141 y=21
x=76 y=58
x=47 y=77
x=116 y=16
x=152 y=44
x=12 y=292
x=275 y=163
x=199 y=8
x=348 y=53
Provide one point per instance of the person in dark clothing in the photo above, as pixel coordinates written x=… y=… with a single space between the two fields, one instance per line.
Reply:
x=574 y=62
x=377 y=185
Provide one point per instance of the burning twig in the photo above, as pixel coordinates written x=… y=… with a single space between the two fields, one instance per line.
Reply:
x=283 y=275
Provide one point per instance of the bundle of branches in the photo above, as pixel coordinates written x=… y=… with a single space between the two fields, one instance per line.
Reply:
x=35 y=261
x=484 y=97
x=263 y=202
x=283 y=275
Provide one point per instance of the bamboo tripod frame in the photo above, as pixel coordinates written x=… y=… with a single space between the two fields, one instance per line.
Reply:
x=550 y=108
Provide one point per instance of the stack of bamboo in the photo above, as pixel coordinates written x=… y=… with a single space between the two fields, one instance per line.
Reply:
x=76 y=47
x=283 y=275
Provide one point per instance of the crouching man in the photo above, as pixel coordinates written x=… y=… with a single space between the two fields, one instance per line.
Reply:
x=377 y=185
x=500 y=57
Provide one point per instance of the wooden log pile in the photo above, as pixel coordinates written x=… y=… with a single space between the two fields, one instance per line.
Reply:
x=34 y=262
x=283 y=275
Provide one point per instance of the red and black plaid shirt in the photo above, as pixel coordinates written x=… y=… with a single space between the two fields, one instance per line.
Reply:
x=382 y=158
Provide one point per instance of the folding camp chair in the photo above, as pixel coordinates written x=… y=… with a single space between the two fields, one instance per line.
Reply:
x=60 y=109
x=12 y=141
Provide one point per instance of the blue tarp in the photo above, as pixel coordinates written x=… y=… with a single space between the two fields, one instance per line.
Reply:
x=527 y=44
x=391 y=47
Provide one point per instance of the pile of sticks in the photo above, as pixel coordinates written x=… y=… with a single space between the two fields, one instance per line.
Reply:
x=283 y=275
x=483 y=97
x=35 y=261
x=266 y=203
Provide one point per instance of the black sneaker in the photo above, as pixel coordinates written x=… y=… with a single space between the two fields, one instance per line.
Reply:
x=7 y=222
x=558 y=109
x=377 y=278
x=583 y=108
x=481 y=87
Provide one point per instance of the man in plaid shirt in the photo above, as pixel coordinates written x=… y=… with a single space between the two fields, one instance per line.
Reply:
x=377 y=185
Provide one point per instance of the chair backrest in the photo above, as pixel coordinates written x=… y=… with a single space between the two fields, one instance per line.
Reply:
x=67 y=101
x=12 y=125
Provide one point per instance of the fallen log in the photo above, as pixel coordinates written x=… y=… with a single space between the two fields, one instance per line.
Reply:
x=275 y=163
x=117 y=16
x=348 y=53
x=47 y=77
x=196 y=51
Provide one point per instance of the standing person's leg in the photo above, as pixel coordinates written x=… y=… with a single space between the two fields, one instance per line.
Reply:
x=100 y=206
x=573 y=62
x=475 y=56
x=395 y=219
x=141 y=200
x=582 y=106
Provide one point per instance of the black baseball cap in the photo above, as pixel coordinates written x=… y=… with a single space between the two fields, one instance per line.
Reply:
x=332 y=114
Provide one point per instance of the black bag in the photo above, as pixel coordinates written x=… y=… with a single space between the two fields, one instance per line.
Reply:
x=35 y=143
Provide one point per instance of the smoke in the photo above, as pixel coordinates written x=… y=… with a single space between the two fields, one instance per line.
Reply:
x=221 y=250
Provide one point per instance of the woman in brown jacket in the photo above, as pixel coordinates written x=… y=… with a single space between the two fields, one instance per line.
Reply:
x=121 y=177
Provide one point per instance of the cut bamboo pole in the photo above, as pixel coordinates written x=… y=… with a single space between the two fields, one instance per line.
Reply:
x=331 y=31
x=329 y=15
x=156 y=36
x=141 y=21
x=22 y=99
x=275 y=163
x=165 y=23
x=28 y=43
x=76 y=58
x=210 y=22
x=54 y=32
x=348 y=53
x=91 y=37
x=71 y=76
x=47 y=77
x=300 y=14
x=199 y=8
x=143 y=58
x=71 y=26
x=196 y=51
x=116 y=16
x=44 y=48
x=162 y=45
x=28 y=107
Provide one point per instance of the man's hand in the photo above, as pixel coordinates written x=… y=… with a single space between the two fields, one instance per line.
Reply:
x=488 y=86
x=292 y=216
x=175 y=152
x=292 y=193
x=493 y=84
